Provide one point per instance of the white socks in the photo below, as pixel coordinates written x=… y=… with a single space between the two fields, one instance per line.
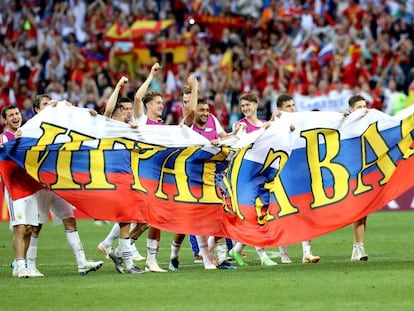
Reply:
x=261 y=252
x=238 y=247
x=126 y=254
x=221 y=249
x=283 y=250
x=77 y=248
x=32 y=251
x=19 y=263
x=152 y=250
x=306 y=247
x=202 y=242
x=211 y=244
x=175 y=249
x=112 y=235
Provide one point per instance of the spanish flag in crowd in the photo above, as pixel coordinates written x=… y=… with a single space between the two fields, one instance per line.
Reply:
x=226 y=62
x=142 y=27
x=138 y=29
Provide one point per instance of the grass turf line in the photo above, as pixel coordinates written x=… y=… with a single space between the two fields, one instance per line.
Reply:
x=385 y=282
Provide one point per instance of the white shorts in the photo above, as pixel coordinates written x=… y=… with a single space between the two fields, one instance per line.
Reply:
x=23 y=211
x=60 y=208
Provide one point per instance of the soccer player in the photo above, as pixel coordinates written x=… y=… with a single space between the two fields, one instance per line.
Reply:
x=23 y=209
x=287 y=104
x=358 y=251
x=154 y=104
x=248 y=105
x=208 y=126
x=121 y=111
x=63 y=210
x=189 y=104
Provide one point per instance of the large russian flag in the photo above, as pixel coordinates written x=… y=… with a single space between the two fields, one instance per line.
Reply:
x=340 y=169
x=271 y=188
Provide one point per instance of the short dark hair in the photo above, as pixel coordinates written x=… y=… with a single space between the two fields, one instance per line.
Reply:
x=7 y=108
x=118 y=106
x=282 y=99
x=250 y=97
x=201 y=100
x=38 y=99
x=124 y=100
x=355 y=98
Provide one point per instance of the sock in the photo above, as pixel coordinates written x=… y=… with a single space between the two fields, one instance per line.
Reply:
x=221 y=249
x=238 y=247
x=158 y=248
x=283 y=250
x=261 y=252
x=211 y=243
x=134 y=250
x=77 y=248
x=306 y=246
x=359 y=246
x=117 y=251
x=229 y=243
x=175 y=249
x=20 y=263
x=152 y=247
x=202 y=242
x=112 y=235
x=126 y=254
x=32 y=251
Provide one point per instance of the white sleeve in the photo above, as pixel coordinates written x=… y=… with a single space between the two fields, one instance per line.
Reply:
x=3 y=139
x=234 y=125
x=142 y=120
x=219 y=128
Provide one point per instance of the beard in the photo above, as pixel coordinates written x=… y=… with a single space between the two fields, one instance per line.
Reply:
x=202 y=120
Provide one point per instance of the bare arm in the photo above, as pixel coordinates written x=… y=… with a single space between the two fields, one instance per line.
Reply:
x=138 y=104
x=189 y=111
x=110 y=105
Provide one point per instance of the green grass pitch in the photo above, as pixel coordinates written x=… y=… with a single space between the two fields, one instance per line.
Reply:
x=385 y=282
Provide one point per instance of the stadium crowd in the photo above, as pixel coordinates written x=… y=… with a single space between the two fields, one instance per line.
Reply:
x=314 y=49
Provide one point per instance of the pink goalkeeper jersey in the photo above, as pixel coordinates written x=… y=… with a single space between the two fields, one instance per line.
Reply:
x=251 y=127
x=210 y=130
x=9 y=136
x=143 y=120
x=152 y=122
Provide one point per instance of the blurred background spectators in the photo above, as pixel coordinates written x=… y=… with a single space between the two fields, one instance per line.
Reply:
x=319 y=51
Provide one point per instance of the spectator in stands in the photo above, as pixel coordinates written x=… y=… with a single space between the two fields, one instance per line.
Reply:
x=67 y=40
